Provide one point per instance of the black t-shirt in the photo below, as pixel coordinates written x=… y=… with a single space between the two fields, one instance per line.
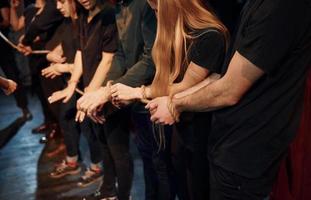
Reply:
x=98 y=36
x=207 y=49
x=67 y=34
x=250 y=137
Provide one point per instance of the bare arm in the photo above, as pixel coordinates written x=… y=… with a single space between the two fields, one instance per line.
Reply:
x=16 y=22
x=227 y=91
x=5 y=14
x=101 y=71
x=67 y=93
x=193 y=75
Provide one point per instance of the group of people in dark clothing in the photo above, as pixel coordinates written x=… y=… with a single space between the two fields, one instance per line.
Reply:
x=213 y=98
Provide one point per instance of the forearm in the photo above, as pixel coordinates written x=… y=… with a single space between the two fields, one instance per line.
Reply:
x=205 y=96
x=100 y=74
x=15 y=20
x=141 y=73
x=5 y=22
x=77 y=69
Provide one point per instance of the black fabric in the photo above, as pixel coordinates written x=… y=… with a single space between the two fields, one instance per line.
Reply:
x=98 y=36
x=208 y=50
x=46 y=22
x=67 y=36
x=249 y=137
x=225 y=185
x=118 y=165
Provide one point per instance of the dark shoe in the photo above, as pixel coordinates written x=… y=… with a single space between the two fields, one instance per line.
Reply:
x=43 y=140
x=99 y=196
x=64 y=169
x=27 y=116
x=90 y=176
x=41 y=128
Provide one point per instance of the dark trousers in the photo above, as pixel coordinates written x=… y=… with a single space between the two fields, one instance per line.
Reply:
x=227 y=185
x=118 y=164
x=157 y=165
x=91 y=131
x=190 y=158
x=9 y=67
x=70 y=127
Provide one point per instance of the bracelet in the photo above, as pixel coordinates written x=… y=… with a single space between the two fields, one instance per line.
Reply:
x=144 y=98
x=172 y=109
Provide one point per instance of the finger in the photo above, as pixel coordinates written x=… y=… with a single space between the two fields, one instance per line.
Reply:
x=81 y=117
x=56 y=96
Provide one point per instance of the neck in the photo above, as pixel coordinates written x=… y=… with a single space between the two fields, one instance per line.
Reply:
x=94 y=11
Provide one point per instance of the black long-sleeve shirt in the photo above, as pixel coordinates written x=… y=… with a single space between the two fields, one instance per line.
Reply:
x=132 y=64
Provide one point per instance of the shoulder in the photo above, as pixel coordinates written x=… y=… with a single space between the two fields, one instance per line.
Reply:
x=108 y=14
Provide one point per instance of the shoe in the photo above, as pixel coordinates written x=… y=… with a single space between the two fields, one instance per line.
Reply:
x=43 y=140
x=64 y=169
x=90 y=176
x=41 y=128
x=27 y=116
x=98 y=196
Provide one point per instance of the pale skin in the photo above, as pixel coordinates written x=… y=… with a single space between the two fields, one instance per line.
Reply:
x=227 y=91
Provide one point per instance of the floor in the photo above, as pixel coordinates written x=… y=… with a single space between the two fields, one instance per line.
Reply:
x=25 y=163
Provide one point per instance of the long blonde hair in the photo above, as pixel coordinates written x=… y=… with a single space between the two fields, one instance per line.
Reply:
x=178 y=21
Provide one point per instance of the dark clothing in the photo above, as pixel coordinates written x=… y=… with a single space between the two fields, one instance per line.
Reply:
x=225 y=185
x=43 y=87
x=8 y=63
x=46 y=22
x=96 y=37
x=69 y=39
x=71 y=128
x=118 y=164
x=158 y=169
x=207 y=50
x=92 y=132
x=132 y=64
x=249 y=138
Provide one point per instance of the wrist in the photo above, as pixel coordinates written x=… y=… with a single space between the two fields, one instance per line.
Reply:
x=178 y=104
x=72 y=82
x=173 y=109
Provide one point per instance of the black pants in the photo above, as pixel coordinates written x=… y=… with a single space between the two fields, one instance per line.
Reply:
x=91 y=131
x=70 y=127
x=227 y=185
x=158 y=170
x=9 y=67
x=190 y=157
x=118 y=164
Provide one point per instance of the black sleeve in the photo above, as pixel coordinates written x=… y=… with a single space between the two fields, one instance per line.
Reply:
x=142 y=72
x=110 y=39
x=47 y=20
x=269 y=34
x=208 y=50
